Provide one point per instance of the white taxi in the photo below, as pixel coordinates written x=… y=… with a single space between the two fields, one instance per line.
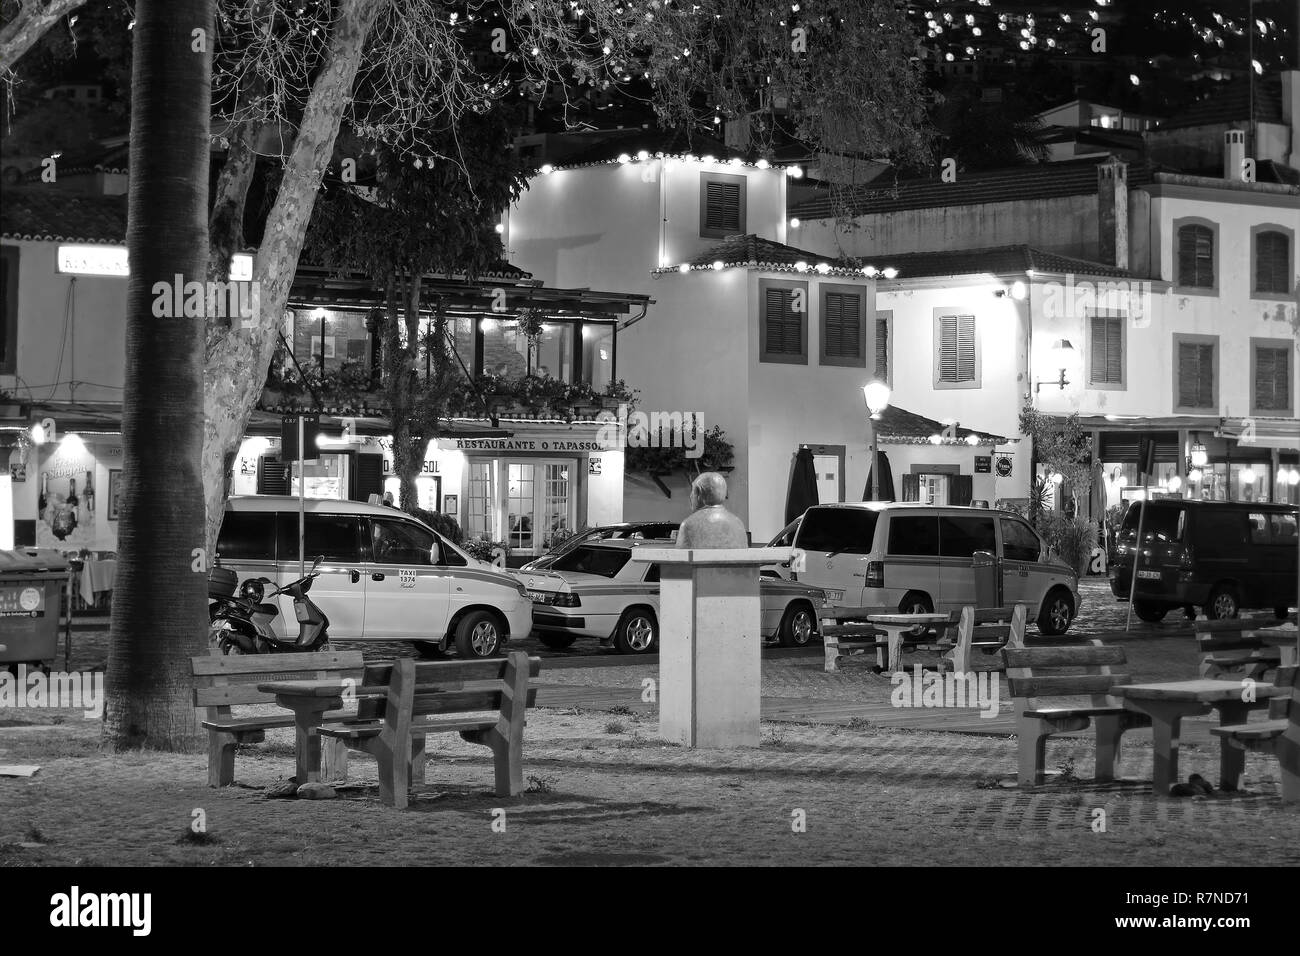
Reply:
x=597 y=590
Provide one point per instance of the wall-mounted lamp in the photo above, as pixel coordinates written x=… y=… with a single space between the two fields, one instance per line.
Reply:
x=1017 y=291
x=1062 y=352
x=1199 y=455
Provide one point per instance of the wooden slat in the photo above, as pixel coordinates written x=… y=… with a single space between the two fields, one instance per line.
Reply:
x=229 y=695
x=990 y=632
x=1259 y=730
x=1209 y=643
x=427 y=673
x=1236 y=624
x=1065 y=685
x=1063 y=656
x=275 y=665
x=250 y=723
x=441 y=725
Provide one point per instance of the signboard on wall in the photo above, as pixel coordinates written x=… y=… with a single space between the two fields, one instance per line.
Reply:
x=72 y=496
x=983 y=464
x=1002 y=466
x=593 y=466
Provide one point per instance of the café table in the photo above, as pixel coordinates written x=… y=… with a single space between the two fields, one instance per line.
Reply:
x=1169 y=702
x=895 y=626
x=309 y=700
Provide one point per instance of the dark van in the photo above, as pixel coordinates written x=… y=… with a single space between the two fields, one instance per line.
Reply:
x=1215 y=555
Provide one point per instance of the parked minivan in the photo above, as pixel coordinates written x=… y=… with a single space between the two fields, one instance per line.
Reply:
x=385 y=575
x=1220 y=556
x=910 y=558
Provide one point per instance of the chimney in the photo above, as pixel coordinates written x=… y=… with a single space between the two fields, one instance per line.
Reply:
x=1112 y=212
x=1234 y=153
x=1291 y=114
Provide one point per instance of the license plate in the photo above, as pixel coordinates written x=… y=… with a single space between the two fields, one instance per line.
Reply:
x=1155 y=575
x=834 y=595
x=540 y=596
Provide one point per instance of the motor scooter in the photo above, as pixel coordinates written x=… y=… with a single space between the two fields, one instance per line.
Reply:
x=246 y=623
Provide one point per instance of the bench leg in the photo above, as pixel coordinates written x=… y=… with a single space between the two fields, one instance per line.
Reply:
x=417 y=760
x=1110 y=733
x=221 y=759
x=1232 y=761
x=1032 y=743
x=334 y=760
x=832 y=651
x=508 y=763
x=1287 y=751
x=394 y=775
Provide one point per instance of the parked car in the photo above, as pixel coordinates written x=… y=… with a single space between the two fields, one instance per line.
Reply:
x=385 y=575
x=597 y=590
x=1216 y=555
x=629 y=529
x=918 y=559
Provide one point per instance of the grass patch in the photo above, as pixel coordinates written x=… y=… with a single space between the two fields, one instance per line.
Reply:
x=537 y=784
x=615 y=727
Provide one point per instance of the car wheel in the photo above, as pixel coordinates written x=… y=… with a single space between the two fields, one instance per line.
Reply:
x=916 y=602
x=1150 y=611
x=798 y=626
x=637 y=633
x=1056 y=614
x=478 y=635
x=557 y=642
x=1223 y=603
x=429 y=650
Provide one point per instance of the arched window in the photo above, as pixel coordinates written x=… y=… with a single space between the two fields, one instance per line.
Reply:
x=1196 y=257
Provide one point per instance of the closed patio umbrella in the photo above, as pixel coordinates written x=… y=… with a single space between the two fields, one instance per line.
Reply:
x=886 y=481
x=803 y=485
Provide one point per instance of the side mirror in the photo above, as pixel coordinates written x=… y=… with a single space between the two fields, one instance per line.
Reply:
x=434 y=556
x=320 y=558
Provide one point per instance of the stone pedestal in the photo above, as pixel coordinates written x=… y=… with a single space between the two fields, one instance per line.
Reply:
x=709 y=643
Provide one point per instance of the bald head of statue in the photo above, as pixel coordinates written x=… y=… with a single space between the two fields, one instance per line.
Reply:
x=708 y=489
x=710 y=524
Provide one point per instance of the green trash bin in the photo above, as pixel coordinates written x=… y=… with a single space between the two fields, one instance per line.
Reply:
x=30 y=579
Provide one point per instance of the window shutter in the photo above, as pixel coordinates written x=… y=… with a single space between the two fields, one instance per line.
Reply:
x=843 y=325
x=1196 y=257
x=882 y=348
x=1098 y=373
x=369 y=477
x=1186 y=375
x=911 y=487
x=947 y=350
x=783 y=326
x=1115 y=351
x=1195 y=375
x=1272 y=378
x=966 y=348
x=722 y=207
x=1205 y=376
x=1271 y=260
x=963 y=489
x=272 y=476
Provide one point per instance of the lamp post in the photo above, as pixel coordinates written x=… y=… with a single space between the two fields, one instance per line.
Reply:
x=876 y=394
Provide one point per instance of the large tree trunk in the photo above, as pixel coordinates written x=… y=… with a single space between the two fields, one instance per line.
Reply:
x=160 y=596
x=33 y=21
x=237 y=359
x=409 y=442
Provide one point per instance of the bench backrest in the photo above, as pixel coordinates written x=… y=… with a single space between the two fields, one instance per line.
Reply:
x=1289 y=676
x=221 y=682
x=405 y=689
x=1034 y=672
x=977 y=643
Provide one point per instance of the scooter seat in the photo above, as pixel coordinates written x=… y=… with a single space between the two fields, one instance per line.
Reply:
x=268 y=609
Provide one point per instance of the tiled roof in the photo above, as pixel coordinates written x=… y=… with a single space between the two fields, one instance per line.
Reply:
x=898 y=426
x=754 y=252
x=1075 y=177
x=670 y=143
x=53 y=215
x=997 y=260
x=1231 y=104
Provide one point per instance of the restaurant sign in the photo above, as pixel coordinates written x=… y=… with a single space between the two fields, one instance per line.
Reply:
x=523 y=444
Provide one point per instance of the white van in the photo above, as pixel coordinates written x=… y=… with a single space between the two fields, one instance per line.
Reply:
x=910 y=558
x=385 y=575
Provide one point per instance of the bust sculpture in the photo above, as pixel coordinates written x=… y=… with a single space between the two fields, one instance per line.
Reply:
x=710 y=524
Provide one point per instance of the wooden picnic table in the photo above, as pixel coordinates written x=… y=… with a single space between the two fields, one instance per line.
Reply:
x=1169 y=702
x=894 y=626
x=309 y=700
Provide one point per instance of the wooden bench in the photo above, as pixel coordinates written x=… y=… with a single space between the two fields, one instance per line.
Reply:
x=981 y=634
x=1279 y=736
x=844 y=637
x=400 y=702
x=1239 y=649
x=1035 y=673
x=222 y=682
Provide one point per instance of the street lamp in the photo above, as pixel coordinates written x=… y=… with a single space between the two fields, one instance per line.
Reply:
x=876 y=395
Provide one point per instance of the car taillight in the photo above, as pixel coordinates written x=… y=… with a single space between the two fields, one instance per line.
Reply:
x=1185 y=558
x=875 y=574
x=562 y=599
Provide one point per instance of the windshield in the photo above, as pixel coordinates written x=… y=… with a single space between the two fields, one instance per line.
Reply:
x=605 y=562
x=838 y=530
x=1165 y=523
